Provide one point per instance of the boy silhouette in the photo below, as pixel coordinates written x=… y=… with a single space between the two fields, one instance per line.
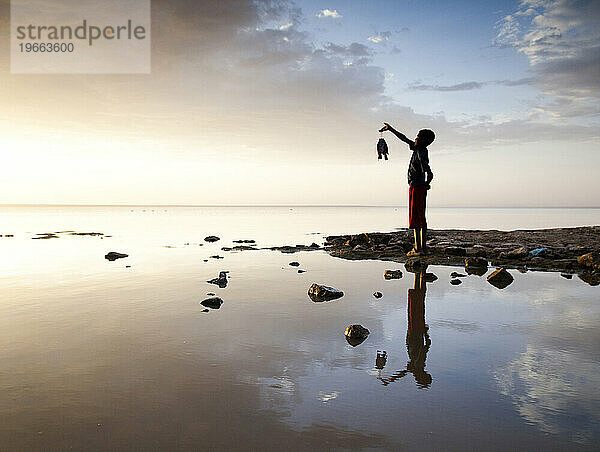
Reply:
x=419 y=180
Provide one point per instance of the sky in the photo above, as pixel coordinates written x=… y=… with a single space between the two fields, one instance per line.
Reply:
x=279 y=102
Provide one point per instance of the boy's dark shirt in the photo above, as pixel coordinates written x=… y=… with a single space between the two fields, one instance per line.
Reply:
x=418 y=166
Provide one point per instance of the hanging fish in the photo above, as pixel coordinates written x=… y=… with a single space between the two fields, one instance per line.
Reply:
x=382 y=148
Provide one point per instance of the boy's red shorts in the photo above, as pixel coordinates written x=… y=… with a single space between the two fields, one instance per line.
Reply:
x=416 y=207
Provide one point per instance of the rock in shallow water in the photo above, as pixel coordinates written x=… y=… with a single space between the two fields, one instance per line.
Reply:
x=377 y=294
x=356 y=334
x=113 y=256
x=213 y=303
x=319 y=293
x=221 y=281
x=392 y=274
x=294 y=264
x=500 y=278
x=211 y=238
x=457 y=275
x=455 y=282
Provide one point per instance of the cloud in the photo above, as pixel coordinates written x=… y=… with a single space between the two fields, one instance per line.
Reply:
x=469 y=86
x=561 y=40
x=328 y=13
x=466 y=86
x=353 y=50
x=380 y=37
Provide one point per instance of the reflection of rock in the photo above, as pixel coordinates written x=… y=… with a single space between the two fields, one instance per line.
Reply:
x=476 y=262
x=430 y=277
x=211 y=238
x=213 y=302
x=455 y=282
x=392 y=274
x=415 y=265
x=377 y=294
x=478 y=271
x=500 y=278
x=356 y=334
x=221 y=281
x=592 y=278
x=318 y=293
x=294 y=264
x=113 y=256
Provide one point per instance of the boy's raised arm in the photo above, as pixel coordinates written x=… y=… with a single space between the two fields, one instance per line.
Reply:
x=401 y=136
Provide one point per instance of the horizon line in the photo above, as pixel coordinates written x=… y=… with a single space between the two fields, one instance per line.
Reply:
x=288 y=205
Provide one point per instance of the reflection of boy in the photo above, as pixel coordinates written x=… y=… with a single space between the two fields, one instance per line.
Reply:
x=418 y=168
x=417 y=336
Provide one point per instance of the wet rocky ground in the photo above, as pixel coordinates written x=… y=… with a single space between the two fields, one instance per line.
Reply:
x=567 y=250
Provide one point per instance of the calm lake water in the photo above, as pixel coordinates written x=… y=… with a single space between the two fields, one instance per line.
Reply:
x=100 y=356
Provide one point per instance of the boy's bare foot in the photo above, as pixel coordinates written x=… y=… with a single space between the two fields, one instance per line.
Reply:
x=413 y=253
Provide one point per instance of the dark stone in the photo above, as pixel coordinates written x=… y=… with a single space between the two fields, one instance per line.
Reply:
x=500 y=278
x=46 y=235
x=113 y=256
x=294 y=264
x=590 y=260
x=244 y=241
x=392 y=274
x=128 y=266
x=216 y=256
x=377 y=294
x=319 y=293
x=567 y=275
x=455 y=251
x=213 y=302
x=226 y=248
x=314 y=245
x=210 y=294
x=356 y=334
x=211 y=238
x=301 y=271
x=221 y=281
x=205 y=310
x=455 y=282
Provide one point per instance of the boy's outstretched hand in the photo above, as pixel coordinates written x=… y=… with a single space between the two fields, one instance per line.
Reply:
x=385 y=127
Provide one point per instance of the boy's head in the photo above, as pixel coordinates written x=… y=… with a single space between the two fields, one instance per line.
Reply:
x=425 y=137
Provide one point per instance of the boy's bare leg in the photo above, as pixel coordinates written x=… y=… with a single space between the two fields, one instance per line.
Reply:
x=417 y=239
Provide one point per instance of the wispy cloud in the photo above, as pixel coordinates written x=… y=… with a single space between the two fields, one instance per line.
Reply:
x=380 y=37
x=328 y=13
x=560 y=39
x=468 y=86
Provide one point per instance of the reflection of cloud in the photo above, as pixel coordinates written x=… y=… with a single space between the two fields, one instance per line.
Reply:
x=328 y=13
x=555 y=390
x=326 y=397
x=462 y=326
x=380 y=37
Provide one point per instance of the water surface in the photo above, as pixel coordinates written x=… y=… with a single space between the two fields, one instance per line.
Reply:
x=99 y=356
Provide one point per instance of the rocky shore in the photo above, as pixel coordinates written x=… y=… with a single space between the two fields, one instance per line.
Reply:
x=567 y=250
